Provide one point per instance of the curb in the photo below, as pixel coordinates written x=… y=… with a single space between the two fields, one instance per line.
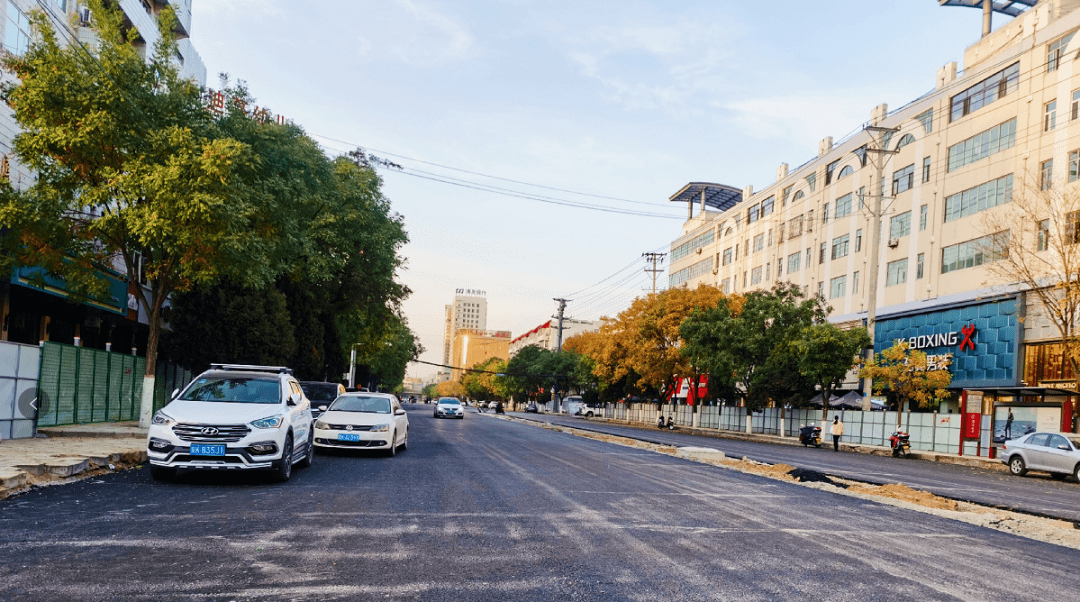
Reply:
x=26 y=476
x=53 y=431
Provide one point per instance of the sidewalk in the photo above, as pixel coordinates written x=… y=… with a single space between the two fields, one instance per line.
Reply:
x=875 y=450
x=68 y=452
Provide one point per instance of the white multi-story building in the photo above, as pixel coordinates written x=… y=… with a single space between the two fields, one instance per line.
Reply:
x=1010 y=119
x=468 y=311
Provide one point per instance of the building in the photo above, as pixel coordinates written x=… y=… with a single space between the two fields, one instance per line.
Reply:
x=949 y=158
x=545 y=336
x=469 y=310
x=32 y=313
x=473 y=346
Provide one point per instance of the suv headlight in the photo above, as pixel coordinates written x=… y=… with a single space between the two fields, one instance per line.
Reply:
x=162 y=419
x=270 y=422
x=319 y=424
x=380 y=428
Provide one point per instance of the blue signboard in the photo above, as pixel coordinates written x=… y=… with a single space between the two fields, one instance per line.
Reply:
x=115 y=300
x=983 y=340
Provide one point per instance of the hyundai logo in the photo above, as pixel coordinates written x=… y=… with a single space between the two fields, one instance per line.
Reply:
x=210 y=431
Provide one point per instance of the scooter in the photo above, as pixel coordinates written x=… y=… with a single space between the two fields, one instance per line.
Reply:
x=810 y=435
x=660 y=422
x=901 y=444
x=670 y=423
x=499 y=408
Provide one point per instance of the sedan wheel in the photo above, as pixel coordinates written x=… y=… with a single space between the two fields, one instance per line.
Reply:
x=393 y=445
x=405 y=443
x=1017 y=466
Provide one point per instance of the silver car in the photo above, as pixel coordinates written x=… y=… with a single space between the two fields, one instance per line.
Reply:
x=1055 y=453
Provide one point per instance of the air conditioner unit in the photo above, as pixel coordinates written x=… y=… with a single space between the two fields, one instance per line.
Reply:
x=698 y=251
x=84 y=17
x=894 y=242
x=715 y=272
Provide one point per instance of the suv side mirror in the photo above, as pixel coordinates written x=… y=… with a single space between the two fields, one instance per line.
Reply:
x=294 y=398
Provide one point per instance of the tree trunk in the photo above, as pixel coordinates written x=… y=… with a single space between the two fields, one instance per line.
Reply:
x=146 y=407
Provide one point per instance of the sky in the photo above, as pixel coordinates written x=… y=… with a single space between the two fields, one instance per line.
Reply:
x=587 y=116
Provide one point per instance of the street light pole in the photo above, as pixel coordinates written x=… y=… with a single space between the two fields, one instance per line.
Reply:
x=352 y=367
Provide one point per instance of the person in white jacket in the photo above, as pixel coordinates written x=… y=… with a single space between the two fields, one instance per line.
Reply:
x=837 y=430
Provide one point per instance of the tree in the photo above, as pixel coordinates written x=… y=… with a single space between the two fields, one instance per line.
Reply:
x=749 y=345
x=904 y=373
x=450 y=388
x=1031 y=240
x=482 y=380
x=641 y=346
x=826 y=354
x=130 y=164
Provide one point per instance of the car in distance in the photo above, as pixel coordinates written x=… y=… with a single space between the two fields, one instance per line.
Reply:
x=1055 y=453
x=449 y=407
x=321 y=395
x=364 y=420
x=532 y=408
x=233 y=417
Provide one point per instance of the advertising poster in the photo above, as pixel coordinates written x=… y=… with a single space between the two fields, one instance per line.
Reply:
x=1026 y=419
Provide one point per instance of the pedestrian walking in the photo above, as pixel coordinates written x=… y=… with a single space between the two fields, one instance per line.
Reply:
x=1008 y=426
x=837 y=430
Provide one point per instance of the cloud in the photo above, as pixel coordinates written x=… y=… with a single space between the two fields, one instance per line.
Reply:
x=438 y=40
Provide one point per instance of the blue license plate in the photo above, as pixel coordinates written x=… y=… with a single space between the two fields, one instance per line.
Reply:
x=348 y=437
x=207 y=450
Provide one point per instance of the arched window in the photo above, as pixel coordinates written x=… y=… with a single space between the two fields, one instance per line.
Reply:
x=798 y=195
x=906 y=140
x=847 y=171
x=728 y=232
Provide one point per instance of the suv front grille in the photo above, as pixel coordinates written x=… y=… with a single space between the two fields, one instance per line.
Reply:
x=217 y=433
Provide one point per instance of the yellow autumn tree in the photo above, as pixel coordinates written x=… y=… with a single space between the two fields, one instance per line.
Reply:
x=903 y=372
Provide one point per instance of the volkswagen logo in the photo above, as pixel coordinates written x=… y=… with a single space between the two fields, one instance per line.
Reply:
x=348 y=428
x=210 y=431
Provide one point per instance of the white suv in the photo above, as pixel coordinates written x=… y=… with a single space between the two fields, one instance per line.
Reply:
x=234 y=417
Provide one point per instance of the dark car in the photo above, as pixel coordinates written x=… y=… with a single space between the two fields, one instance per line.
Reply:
x=532 y=407
x=321 y=395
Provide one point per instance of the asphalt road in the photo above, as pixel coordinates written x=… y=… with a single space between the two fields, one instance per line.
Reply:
x=488 y=509
x=1036 y=493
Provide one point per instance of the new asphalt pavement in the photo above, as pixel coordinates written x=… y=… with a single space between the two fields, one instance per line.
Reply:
x=489 y=509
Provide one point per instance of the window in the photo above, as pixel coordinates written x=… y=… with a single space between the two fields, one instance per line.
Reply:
x=1074 y=165
x=829 y=171
x=810 y=221
x=786 y=195
x=1072 y=228
x=900 y=225
x=855 y=283
x=825 y=214
x=679 y=278
x=795 y=227
x=725 y=285
x=984 y=196
x=779 y=267
x=1054 y=50
x=905 y=140
x=759 y=242
x=896 y=272
x=926 y=170
x=767 y=266
x=843 y=206
x=845 y=172
x=1075 y=104
x=1050 y=116
x=812 y=181
x=982 y=145
x=838 y=287
x=808 y=257
x=923 y=210
x=1046 y=174
x=746 y=248
x=767 y=206
x=1044 y=235
x=927 y=120
x=840 y=246
x=793 y=261
x=780 y=233
x=975 y=252
x=858 y=240
x=753 y=213
x=744 y=279
x=768 y=238
x=798 y=197
x=821 y=253
x=701 y=268
x=727 y=256
x=919 y=261
x=821 y=289
x=862 y=197
x=16 y=31
x=985 y=92
x=903 y=179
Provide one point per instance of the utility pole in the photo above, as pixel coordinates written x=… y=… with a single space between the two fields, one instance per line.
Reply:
x=559 y=315
x=878 y=152
x=654 y=259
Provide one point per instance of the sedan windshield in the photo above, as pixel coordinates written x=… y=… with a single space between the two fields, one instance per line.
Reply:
x=353 y=403
x=320 y=392
x=449 y=402
x=234 y=390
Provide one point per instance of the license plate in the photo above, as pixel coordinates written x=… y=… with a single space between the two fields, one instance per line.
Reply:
x=348 y=437
x=207 y=450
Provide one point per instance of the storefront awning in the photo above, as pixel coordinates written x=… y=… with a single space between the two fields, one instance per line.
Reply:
x=1022 y=391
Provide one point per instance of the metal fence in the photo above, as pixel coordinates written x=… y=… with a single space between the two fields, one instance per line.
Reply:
x=930 y=431
x=80 y=385
x=18 y=389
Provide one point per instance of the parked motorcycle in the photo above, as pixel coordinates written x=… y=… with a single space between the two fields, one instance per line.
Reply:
x=660 y=422
x=810 y=435
x=900 y=443
x=670 y=423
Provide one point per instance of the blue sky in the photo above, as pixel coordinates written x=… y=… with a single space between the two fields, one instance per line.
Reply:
x=629 y=99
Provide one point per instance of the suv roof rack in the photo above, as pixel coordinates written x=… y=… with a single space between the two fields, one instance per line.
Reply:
x=246 y=368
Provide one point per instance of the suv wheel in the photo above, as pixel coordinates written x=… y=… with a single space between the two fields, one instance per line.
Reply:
x=283 y=470
x=309 y=457
x=161 y=473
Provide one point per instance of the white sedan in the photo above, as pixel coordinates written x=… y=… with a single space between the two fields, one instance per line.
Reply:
x=363 y=420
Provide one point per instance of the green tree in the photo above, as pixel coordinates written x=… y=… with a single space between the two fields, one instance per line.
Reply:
x=129 y=163
x=747 y=348
x=826 y=354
